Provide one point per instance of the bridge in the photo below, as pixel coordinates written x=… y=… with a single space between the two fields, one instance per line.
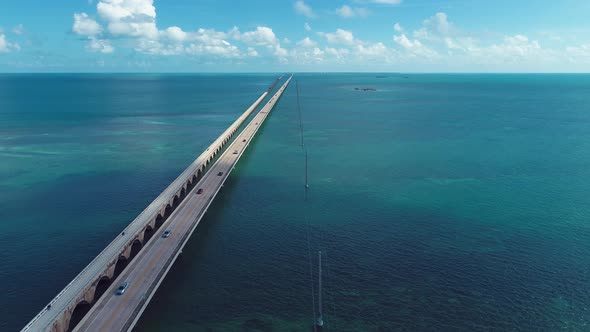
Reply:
x=141 y=256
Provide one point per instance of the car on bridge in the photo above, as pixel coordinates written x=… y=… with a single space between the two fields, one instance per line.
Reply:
x=122 y=287
x=166 y=233
x=220 y=174
x=200 y=191
x=235 y=151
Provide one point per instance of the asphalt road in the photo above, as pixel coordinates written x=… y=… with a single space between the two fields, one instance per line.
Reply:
x=70 y=295
x=145 y=273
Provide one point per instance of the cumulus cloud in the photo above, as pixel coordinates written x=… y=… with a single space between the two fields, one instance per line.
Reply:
x=307 y=43
x=129 y=18
x=341 y=36
x=174 y=33
x=85 y=26
x=386 y=2
x=19 y=29
x=6 y=46
x=262 y=36
x=303 y=9
x=133 y=24
x=100 y=46
x=252 y=52
x=136 y=20
x=582 y=51
x=515 y=47
x=439 y=23
x=352 y=50
x=347 y=12
x=415 y=47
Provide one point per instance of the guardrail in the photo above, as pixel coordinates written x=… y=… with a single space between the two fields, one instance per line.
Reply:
x=170 y=261
x=145 y=216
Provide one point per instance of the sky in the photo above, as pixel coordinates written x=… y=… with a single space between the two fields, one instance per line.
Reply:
x=302 y=35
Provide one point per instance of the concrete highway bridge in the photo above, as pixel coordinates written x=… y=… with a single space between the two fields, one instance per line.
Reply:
x=142 y=255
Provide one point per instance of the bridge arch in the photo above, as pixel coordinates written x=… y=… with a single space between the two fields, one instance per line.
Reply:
x=176 y=201
x=79 y=312
x=159 y=221
x=103 y=284
x=168 y=211
x=148 y=233
x=120 y=266
x=182 y=193
x=135 y=248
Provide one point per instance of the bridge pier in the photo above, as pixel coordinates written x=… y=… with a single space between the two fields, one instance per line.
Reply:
x=81 y=292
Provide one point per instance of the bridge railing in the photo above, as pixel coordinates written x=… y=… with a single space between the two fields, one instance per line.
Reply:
x=145 y=216
x=185 y=237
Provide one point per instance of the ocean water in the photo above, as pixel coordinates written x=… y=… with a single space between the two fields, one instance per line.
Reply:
x=440 y=202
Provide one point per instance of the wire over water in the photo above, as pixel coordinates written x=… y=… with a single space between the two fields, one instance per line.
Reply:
x=300 y=117
x=307 y=212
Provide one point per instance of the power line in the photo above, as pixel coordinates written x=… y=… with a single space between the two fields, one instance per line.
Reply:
x=307 y=216
x=299 y=111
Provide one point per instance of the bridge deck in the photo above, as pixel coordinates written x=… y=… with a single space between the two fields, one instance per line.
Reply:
x=49 y=320
x=145 y=273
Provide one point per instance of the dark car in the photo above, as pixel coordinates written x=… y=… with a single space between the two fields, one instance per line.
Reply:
x=200 y=191
x=122 y=288
x=244 y=140
x=220 y=174
x=166 y=233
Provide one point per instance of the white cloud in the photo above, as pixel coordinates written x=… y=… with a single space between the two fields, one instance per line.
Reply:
x=386 y=2
x=6 y=46
x=582 y=51
x=226 y=50
x=347 y=12
x=307 y=43
x=303 y=9
x=129 y=18
x=174 y=33
x=339 y=37
x=19 y=29
x=436 y=42
x=85 y=26
x=118 y=10
x=99 y=46
x=515 y=47
x=306 y=51
x=252 y=52
x=375 y=50
x=136 y=20
x=414 y=47
x=306 y=55
x=262 y=36
x=439 y=23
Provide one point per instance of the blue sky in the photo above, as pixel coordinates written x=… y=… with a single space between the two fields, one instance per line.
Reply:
x=301 y=35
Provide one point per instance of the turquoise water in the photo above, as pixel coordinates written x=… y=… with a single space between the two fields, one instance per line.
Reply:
x=441 y=202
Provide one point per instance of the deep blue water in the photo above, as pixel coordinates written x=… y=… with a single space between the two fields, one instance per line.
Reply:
x=440 y=202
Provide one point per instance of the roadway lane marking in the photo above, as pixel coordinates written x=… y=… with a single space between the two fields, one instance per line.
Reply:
x=181 y=221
